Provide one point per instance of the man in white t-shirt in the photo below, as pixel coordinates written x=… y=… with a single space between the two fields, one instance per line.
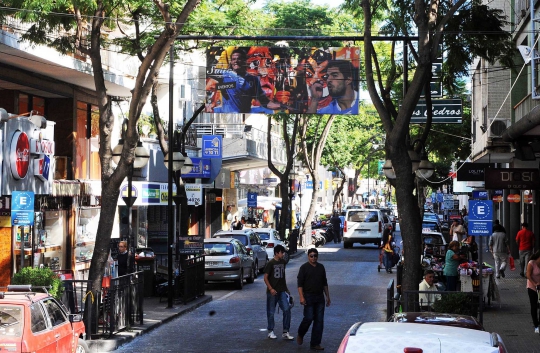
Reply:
x=427 y=300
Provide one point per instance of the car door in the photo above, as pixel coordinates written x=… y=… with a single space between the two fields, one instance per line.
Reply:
x=63 y=332
x=259 y=251
x=245 y=259
x=41 y=338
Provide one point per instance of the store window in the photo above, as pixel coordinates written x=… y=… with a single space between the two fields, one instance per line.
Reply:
x=87 y=164
x=86 y=237
x=28 y=103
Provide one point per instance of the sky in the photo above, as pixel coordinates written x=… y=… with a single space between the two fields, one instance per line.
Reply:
x=335 y=3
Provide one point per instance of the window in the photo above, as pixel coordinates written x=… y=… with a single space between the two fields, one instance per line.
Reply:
x=37 y=319
x=10 y=321
x=56 y=314
x=86 y=139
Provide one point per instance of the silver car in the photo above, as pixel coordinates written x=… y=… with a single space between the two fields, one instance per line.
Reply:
x=251 y=241
x=227 y=259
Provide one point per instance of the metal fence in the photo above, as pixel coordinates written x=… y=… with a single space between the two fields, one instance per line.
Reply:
x=411 y=301
x=118 y=306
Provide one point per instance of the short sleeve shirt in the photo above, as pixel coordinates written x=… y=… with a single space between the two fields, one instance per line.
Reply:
x=451 y=265
x=276 y=275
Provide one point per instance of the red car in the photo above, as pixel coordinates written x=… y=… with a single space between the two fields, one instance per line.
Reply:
x=37 y=322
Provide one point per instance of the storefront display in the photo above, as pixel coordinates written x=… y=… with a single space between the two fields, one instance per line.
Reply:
x=85 y=237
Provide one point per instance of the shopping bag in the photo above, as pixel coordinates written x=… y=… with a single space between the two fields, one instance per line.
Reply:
x=512 y=263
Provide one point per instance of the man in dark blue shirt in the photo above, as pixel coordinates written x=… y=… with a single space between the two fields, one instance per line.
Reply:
x=312 y=289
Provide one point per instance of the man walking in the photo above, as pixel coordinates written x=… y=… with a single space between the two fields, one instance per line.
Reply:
x=498 y=245
x=312 y=289
x=277 y=293
x=336 y=227
x=525 y=242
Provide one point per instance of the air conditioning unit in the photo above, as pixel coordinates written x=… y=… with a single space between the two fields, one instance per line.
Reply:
x=497 y=127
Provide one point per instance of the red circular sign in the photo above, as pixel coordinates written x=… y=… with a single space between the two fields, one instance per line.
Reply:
x=20 y=155
x=513 y=198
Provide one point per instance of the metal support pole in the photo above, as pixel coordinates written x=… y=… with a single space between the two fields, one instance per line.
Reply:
x=368 y=191
x=130 y=237
x=170 y=209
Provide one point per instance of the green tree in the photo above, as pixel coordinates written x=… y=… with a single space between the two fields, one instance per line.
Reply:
x=430 y=22
x=98 y=15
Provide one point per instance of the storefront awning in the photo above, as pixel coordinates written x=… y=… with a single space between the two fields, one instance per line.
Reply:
x=66 y=188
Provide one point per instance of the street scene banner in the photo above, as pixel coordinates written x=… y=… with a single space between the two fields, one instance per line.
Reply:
x=269 y=80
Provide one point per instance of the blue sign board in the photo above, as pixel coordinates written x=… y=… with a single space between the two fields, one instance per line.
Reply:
x=212 y=146
x=480 y=194
x=440 y=197
x=252 y=200
x=309 y=185
x=22 y=208
x=480 y=217
x=201 y=168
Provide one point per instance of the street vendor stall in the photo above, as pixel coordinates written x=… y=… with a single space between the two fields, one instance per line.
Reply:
x=470 y=281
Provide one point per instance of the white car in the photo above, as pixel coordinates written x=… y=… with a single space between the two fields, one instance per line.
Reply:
x=384 y=337
x=363 y=226
x=270 y=238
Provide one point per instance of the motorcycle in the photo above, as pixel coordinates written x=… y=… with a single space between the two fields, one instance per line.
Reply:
x=318 y=238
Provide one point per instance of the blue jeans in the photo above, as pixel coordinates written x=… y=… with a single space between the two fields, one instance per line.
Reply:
x=313 y=312
x=271 y=302
x=387 y=258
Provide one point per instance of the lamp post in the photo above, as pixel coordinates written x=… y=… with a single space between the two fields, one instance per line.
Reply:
x=141 y=159
x=174 y=161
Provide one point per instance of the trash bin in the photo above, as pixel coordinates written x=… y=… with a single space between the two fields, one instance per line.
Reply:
x=293 y=241
x=145 y=262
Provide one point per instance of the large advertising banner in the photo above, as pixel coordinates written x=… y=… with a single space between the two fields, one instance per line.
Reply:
x=270 y=80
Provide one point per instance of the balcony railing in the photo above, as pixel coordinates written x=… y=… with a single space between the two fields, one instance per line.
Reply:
x=525 y=106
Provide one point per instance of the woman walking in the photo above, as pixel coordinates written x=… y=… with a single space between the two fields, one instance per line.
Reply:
x=388 y=249
x=533 y=285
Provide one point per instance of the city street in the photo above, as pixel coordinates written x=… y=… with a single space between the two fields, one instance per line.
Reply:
x=235 y=321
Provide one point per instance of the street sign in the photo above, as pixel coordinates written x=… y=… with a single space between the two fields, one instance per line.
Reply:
x=480 y=194
x=22 y=208
x=252 y=200
x=448 y=204
x=480 y=217
x=212 y=146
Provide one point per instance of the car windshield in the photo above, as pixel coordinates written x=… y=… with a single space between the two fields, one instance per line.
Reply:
x=263 y=236
x=10 y=320
x=243 y=239
x=218 y=249
x=362 y=216
x=432 y=239
x=429 y=225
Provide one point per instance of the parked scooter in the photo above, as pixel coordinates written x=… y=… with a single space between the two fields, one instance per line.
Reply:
x=317 y=238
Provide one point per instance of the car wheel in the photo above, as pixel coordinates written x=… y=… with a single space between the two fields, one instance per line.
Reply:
x=286 y=257
x=252 y=275
x=240 y=281
x=82 y=347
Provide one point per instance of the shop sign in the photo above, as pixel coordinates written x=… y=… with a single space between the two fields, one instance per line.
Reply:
x=194 y=194
x=190 y=245
x=151 y=193
x=472 y=171
x=42 y=166
x=512 y=178
x=201 y=168
x=527 y=197
x=20 y=155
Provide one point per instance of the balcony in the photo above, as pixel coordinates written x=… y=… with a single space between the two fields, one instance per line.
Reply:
x=244 y=147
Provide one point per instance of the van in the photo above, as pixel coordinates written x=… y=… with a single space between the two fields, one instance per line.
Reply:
x=362 y=226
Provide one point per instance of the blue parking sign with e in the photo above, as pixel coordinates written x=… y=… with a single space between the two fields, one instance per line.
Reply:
x=480 y=217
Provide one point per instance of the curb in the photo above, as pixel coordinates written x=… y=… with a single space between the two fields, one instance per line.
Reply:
x=123 y=337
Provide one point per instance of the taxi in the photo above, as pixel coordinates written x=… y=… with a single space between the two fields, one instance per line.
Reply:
x=37 y=322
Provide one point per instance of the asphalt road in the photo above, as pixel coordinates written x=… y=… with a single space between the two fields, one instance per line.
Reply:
x=235 y=321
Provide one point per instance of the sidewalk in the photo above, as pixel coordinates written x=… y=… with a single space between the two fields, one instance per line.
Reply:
x=511 y=316
x=155 y=314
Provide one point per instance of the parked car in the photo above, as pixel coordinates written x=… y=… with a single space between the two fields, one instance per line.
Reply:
x=429 y=226
x=227 y=259
x=384 y=337
x=388 y=212
x=270 y=238
x=251 y=241
x=432 y=318
x=37 y=322
x=362 y=226
x=434 y=243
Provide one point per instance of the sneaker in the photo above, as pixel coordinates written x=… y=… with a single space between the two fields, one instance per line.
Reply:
x=272 y=335
x=502 y=273
x=286 y=336
x=536 y=330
